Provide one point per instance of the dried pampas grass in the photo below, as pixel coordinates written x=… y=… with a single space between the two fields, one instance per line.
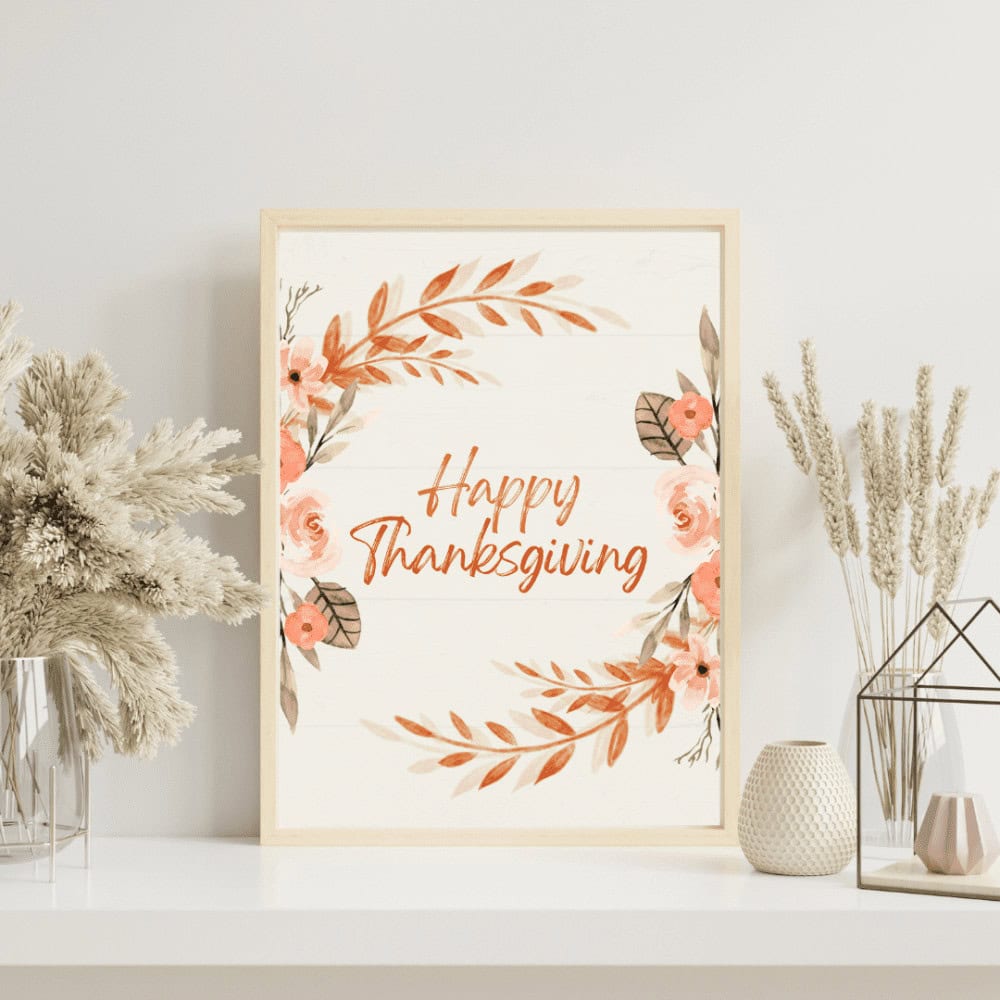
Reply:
x=90 y=551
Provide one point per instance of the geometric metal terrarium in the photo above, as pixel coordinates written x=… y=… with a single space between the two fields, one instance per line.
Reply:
x=908 y=713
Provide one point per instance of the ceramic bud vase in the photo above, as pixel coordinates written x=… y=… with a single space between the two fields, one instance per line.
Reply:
x=956 y=836
x=797 y=816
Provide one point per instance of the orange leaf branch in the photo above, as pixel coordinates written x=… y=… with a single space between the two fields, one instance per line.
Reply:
x=428 y=307
x=477 y=747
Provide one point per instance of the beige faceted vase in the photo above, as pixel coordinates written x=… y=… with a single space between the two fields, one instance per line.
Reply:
x=797 y=815
x=956 y=836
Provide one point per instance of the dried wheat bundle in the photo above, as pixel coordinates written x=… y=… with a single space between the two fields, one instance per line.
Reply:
x=919 y=522
x=90 y=549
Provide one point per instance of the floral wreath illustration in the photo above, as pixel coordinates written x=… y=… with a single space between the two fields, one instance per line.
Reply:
x=319 y=381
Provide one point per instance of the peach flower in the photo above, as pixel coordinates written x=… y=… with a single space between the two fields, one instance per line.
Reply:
x=306 y=626
x=706 y=585
x=689 y=497
x=308 y=543
x=293 y=459
x=302 y=368
x=690 y=415
x=696 y=674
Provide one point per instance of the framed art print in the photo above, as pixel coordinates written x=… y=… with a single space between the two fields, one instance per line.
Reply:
x=500 y=521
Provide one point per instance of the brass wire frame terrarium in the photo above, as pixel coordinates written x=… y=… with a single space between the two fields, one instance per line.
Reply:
x=911 y=706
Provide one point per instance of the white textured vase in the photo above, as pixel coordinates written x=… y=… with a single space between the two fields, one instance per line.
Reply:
x=797 y=816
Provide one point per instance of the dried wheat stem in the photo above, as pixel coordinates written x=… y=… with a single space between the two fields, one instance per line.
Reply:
x=949 y=439
x=786 y=423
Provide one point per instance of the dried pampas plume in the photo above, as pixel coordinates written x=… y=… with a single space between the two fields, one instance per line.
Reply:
x=90 y=551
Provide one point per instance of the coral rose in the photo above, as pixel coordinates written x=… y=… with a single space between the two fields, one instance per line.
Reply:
x=306 y=626
x=302 y=368
x=706 y=585
x=293 y=459
x=690 y=415
x=696 y=674
x=308 y=542
x=689 y=497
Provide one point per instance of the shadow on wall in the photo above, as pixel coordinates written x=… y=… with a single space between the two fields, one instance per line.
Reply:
x=188 y=347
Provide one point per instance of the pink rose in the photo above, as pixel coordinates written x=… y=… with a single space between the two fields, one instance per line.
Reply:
x=293 y=459
x=690 y=415
x=302 y=368
x=689 y=497
x=308 y=543
x=306 y=626
x=696 y=674
x=706 y=585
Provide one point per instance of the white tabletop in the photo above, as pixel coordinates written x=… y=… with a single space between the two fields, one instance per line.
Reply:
x=230 y=902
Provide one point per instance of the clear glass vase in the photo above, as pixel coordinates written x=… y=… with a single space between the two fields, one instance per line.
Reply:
x=906 y=748
x=44 y=777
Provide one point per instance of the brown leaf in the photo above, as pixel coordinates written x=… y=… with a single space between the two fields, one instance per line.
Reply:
x=437 y=376
x=577 y=320
x=501 y=732
x=656 y=433
x=437 y=285
x=491 y=314
x=417 y=342
x=441 y=325
x=341 y=612
x=376 y=310
x=555 y=763
x=411 y=369
x=288 y=698
x=553 y=722
x=579 y=703
x=532 y=323
x=617 y=672
x=413 y=727
x=460 y=724
x=525 y=669
x=377 y=374
x=648 y=647
x=709 y=351
x=552 y=692
x=494 y=774
x=290 y=706
x=536 y=288
x=685 y=383
x=584 y=676
x=456 y=759
x=619 y=737
x=557 y=671
x=496 y=275
x=467 y=376
x=438 y=355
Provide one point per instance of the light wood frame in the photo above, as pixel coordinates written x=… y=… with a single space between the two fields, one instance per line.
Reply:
x=723 y=221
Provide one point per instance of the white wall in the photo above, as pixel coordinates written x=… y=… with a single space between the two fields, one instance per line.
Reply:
x=859 y=139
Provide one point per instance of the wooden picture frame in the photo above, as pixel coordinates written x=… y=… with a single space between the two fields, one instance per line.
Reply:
x=493 y=280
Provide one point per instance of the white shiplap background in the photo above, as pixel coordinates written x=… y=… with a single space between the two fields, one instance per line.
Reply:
x=858 y=139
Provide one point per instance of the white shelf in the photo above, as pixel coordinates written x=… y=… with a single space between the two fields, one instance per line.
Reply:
x=231 y=902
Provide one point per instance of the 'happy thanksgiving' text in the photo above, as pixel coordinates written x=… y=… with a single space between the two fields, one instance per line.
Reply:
x=383 y=536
